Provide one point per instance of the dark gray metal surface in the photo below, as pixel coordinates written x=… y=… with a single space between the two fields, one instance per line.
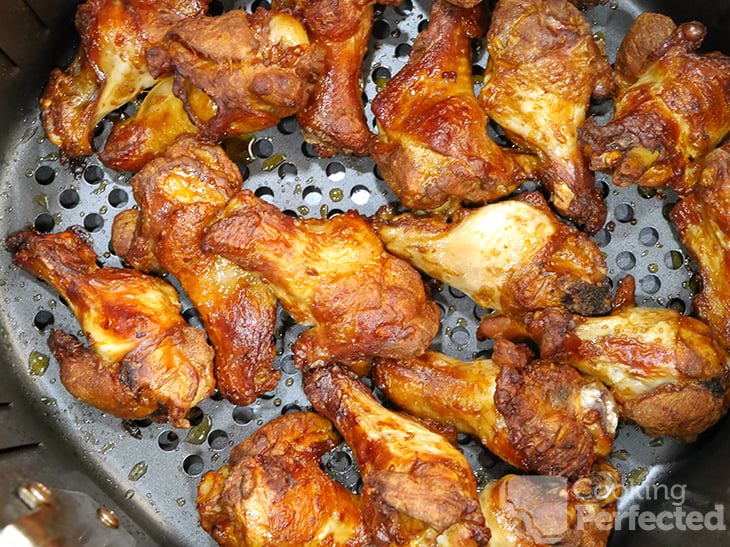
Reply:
x=100 y=455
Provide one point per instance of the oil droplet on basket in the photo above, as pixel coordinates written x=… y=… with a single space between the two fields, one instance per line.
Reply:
x=37 y=297
x=461 y=322
x=620 y=454
x=37 y=363
x=52 y=304
x=637 y=476
x=129 y=494
x=323 y=211
x=274 y=161
x=303 y=210
x=103 y=209
x=107 y=448
x=138 y=471
x=277 y=402
x=656 y=441
x=653 y=268
x=336 y=194
x=180 y=502
x=289 y=382
x=48 y=401
x=197 y=434
x=42 y=200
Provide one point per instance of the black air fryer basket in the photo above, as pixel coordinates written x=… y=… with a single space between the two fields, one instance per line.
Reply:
x=148 y=473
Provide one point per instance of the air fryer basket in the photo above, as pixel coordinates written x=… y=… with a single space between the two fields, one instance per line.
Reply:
x=148 y=472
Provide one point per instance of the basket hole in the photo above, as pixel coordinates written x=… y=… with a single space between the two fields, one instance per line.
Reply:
x=602 y=238
x=43 y=319
x=243 y=415
x=287 y=170
x=403 y=50
x=93 y=174
x=459 y=336
x=287 y=126
x=265 y=193
x=193 y=465
x=381 y=29
x=44 y=223
x=648 y=236
x=381 y=73
x=650 y=284
x=674 y=260
x=287 y=365
x=45 y=174
x=263 y=148
x=378 y=174
x=69 y=198
x=309 y=150
x=360 y=195
x=118 y=198
x=291 y=408
x=93 y=222
x=677 y=304
x=340 y=461
x=195 y=415
x=218 y=439
x=423 y=25
x=404 y=8
x=168 y=440
x=260 y=4
x=215 y=8
x=243 y=169
x=625 y=260
x=624 y=212
x=312 y=195
x=335 y=171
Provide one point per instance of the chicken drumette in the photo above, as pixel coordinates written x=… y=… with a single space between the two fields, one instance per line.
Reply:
x=232 y=74
x=538 y=416
x=272 y=492
x=667 y=371
x=513 y=256
x=333 y=275
x=432 y=145
x=676 y=112
x=179 y=194
x=110 y=68
x=418 y=489
x=144 y=358
x=543 y=67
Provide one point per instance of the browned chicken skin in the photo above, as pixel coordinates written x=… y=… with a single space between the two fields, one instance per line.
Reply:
x=333 y=275
x=513 y=256
x=538 y=416
x=144 y=358
x=334 y=118
x=233 y=75
x=702 y=220
x=528 y=511
x=418 y=489
x=543 y=67
x=667 y=371
x=273 y=492
x=179 y=194
x=110 y=68
x=432 y=147
x=668 y=120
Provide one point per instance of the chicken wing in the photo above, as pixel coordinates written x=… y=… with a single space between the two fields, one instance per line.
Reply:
x=179 y=194
x=145 y=358
x=528 y=511
x=513 y=256
x=418 y=489
x=543 y=67
x=702 y=220
x=668 y=120
x=432 y=145
x=273 y=492
x=333 y=275
x=539 y=416
x=110 y=67
x=667 y=371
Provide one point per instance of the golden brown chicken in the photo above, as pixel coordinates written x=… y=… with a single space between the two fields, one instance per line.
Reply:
x=418 y=489
x=179 y=194
x=538 y=416
x=702 y=220
x=332 y=275
x=273 y=492
x=234 y=74
x=110 y=68
x=334 y=118
x=543 y=67
x=142 y=358
x=432 y=145
x=528 y=511
x=668 y=120
x=513 y=256
x=667 y=371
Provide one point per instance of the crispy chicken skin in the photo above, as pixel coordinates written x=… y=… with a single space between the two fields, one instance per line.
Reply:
x=332 y=275
x=702 y=220
x=334 y=118
x=179 y=194
x=432 y=145
x=538 y=417
x=528 y=511
x=418 y=489
x=667 y=371
x=273 y=492
x=668 y=120
x=231 y=75
x=543 y=67
x=513 y=256
x=110 y=67
x=142 y=358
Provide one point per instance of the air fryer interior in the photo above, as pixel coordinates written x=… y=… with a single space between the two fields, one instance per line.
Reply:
x=149 y=472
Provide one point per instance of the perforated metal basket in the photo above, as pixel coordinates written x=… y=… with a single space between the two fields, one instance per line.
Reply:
x=149 y=472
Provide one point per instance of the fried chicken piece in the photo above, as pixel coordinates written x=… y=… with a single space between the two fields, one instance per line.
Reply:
x=639 y=48
x=513 y=256
x=179 y=195
x=333 y=275
x=538 y=416
x=543 y=67
x=667 y=371
x=702 y=220
x=273 y=492
x=432 y=145
x=142 y=358
x=418 y=489
x=531 y=510
x=668 y=120
x=110 y=67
